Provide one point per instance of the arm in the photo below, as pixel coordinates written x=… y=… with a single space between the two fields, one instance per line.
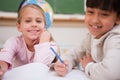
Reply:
x=108 y=68
x=43 y=52
x=71 y=58
x=73 y=55
x=8 y=51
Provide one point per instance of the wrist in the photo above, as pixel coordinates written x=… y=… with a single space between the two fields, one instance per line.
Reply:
x=3 y=66
x=87 y=68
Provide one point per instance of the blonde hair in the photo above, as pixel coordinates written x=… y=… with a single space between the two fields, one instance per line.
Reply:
x=19 y=17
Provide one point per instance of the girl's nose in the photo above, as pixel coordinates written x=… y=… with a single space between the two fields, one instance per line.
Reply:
x=34 y=24
x=95 y=19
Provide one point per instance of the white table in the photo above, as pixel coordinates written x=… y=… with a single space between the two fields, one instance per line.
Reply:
x=37 y=71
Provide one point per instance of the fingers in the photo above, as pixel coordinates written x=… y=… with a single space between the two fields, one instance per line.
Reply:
x=1 y=74
x=85 y=60
x=45 y=36
x=61 y=69
x=88 y=55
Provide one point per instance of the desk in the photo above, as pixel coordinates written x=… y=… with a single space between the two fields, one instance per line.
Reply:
x=37 y=71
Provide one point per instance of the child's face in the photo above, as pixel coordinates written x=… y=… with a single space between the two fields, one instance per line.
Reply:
x=32 y=23
x=99 y=21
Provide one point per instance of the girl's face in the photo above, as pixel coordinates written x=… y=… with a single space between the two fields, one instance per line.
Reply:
x=99 y=21
x=32 y=23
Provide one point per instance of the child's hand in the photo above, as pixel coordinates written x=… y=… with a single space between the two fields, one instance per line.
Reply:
x=60 y=68
x=45 y=37
x=1 y=74
x=3 y=68
x=85 y=60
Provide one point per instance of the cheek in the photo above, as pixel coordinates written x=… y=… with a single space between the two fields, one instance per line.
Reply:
x=19 y=27
x=42 y=26
x=87 y=21
x=110 y=21
x=23 y=28
x=109 y=24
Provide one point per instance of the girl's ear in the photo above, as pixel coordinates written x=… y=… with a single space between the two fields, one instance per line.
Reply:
x=18 y=26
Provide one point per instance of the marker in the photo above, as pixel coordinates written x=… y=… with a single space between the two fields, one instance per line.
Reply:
x=56 y=54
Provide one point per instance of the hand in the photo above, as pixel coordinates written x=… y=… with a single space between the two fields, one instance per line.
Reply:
x=3 y=68
x=1 y=74
x=85 y=60
x=45 y=37
x=60 y=68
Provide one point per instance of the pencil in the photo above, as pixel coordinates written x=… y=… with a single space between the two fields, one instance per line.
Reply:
x=56 y=54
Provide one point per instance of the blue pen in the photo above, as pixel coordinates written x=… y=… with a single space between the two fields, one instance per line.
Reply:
x=56 y=54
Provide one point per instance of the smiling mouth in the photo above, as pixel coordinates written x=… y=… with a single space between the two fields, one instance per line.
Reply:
x=96 y=27
x=33 y=31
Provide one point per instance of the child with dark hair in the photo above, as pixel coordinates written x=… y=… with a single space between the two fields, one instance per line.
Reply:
x=99 y=53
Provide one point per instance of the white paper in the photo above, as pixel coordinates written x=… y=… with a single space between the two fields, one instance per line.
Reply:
x=33 y=71
x=73 y=75
x=38 y=71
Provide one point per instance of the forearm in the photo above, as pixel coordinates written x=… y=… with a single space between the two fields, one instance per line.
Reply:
x=72 y=58
x=101 y=71
x=44 y=54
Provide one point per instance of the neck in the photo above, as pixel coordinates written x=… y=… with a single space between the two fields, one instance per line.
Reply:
x=30 y=44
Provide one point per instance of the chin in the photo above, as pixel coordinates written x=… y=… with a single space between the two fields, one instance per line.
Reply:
x=95 y=35
x=34 y=38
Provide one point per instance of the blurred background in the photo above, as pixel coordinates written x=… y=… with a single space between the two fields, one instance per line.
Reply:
x=68 y=26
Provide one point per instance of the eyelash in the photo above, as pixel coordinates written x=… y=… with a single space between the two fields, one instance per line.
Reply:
x=38 y=21
x=27 y=21
x=89 y=12
x=103 y=14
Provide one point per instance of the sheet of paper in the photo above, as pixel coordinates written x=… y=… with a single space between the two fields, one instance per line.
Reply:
x=73 y=75
x=37 y=71
x=33 y=71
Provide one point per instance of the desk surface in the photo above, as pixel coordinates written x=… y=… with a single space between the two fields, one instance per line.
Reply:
x=37 y=71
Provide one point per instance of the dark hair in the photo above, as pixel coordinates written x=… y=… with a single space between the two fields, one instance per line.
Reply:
x=108 y=5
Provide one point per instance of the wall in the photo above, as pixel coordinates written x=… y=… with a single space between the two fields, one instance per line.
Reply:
x=66 y=37
x=67 y=32
x=59 y=6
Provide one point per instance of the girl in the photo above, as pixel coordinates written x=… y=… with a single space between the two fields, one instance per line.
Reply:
x=33 y=45
x=99 y=54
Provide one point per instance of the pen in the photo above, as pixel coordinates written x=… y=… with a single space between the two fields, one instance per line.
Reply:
x=56 y=54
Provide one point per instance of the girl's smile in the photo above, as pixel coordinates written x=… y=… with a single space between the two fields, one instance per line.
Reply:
x=32 y=23
x=99 y=21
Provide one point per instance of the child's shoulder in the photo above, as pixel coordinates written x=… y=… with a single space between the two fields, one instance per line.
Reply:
x=15 y=39
x=116 y=28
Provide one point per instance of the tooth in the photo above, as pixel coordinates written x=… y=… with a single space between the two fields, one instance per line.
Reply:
x=95 y=27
